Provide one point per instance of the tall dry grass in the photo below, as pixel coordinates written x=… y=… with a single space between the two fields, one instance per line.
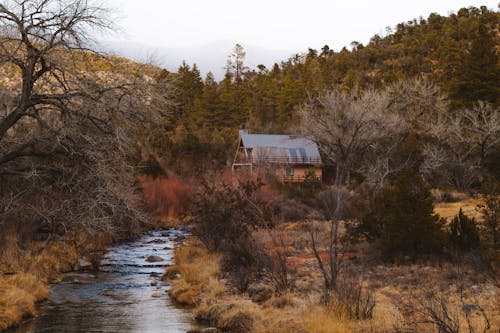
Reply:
x=198 y=272
x=26 y=268
x=18 y=295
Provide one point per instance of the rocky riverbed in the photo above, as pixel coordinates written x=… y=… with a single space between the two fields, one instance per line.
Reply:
x=124 y=295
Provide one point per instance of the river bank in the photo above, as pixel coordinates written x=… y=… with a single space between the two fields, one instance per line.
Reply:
x=125 y=294
x=404 y=296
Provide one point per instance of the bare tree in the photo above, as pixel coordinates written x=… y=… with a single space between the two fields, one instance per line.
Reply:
x=346 y=127
x=360 y=133
x=461 y=142
x=68 y=130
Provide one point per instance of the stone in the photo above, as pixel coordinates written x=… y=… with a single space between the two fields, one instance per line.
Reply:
x=260 y=292
x=154 y=259
x=209 y=330
x=83 y=265
x=157 y=241
x=157 y=295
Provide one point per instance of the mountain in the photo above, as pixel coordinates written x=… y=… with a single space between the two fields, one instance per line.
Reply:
x=209 y=57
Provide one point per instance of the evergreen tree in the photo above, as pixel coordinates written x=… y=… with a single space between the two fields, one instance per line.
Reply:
x=402 y=220
x=207 y=108
x=479 y=78
x=464 y=234
x=188 y=86
x=236 y=64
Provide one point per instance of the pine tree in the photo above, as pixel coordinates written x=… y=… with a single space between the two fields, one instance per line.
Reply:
x=401 y=219
x=464 y=234
x=480 y=76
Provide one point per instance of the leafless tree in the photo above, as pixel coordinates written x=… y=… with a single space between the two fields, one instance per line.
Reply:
x=360 y=133
x=68 y=130
x=346 y=127
x=461 y=142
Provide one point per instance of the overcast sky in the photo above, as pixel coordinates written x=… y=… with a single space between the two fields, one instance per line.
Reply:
x=287 y=25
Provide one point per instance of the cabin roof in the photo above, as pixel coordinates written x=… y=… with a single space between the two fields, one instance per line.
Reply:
x=273 y=146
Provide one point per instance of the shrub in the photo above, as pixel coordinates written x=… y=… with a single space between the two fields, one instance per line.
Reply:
x=224 y=218
x=490 y=211
x=352 y=301
x=401 y=218
x=166 y=197
x=464 y=234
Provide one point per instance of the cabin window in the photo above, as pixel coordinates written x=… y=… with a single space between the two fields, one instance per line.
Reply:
x=289 y=171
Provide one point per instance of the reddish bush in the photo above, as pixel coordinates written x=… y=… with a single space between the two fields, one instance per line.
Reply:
x=167 y=198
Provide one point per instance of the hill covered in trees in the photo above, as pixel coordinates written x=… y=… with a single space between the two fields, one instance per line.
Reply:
x=458 y=53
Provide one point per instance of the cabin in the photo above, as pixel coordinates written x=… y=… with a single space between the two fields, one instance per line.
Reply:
x=285 y=157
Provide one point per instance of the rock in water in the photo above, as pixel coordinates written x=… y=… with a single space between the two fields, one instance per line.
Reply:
x=83 y=265
x=157 y=241
x=154 y=259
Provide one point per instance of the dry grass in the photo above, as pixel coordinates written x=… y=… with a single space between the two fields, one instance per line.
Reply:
x=18 y=295
x=399 y=291
x=450 y=209
x=25 y=273
x=25 y=285
x=320 y=320
x=198 y=270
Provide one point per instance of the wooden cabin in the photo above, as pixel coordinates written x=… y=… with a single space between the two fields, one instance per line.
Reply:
x=285 y=157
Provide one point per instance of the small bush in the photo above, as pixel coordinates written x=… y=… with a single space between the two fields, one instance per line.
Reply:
x=490 y=212
x=352 y=301
x=224 y=219
x=464 y=234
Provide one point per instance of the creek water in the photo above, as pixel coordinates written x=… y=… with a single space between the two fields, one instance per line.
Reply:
x=125 y=295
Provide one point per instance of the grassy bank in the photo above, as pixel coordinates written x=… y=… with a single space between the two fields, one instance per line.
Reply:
x=27 y=268
x=407 y=297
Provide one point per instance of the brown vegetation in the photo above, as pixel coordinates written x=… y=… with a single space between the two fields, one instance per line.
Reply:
x=168 y=199
x=404 y=296
x=25 y=271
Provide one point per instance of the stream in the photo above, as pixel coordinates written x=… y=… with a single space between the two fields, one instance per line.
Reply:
x=125 y=295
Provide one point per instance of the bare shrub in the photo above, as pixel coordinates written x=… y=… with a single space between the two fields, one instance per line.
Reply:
x=450 y=314
x=277 y=258
x=224 y=218
x=350 y=300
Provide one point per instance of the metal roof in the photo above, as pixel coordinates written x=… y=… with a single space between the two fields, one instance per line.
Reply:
x=282 y=148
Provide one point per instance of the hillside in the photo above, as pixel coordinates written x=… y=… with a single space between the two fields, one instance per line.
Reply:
x=458 y=53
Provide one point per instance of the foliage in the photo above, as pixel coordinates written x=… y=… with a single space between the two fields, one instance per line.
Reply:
x=490 y=211
x=464 y=234
x=167 y=198
x=456 y=52
x=401 y=219
x=224 y=218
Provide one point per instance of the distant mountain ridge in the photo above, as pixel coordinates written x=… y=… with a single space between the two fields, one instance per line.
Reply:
x=209 y=57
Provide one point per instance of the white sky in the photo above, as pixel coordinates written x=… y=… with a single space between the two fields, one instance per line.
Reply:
x=271 y=24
